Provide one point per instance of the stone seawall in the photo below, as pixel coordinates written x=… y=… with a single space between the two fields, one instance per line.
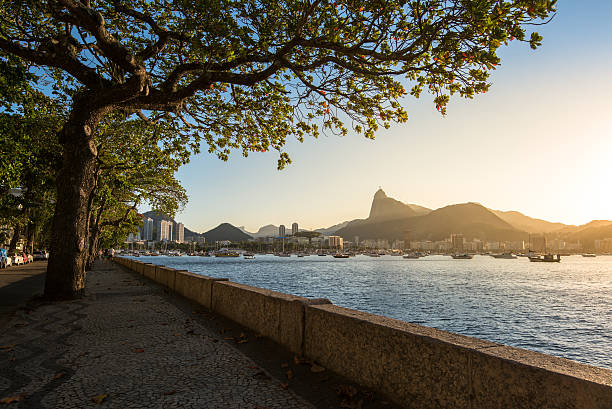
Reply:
x=413 y=365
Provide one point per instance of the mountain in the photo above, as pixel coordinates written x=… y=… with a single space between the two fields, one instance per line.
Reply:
x=596 y=230
x=529 y=224
x=383 y=208
x=386 y=208
x=470 y=219
x=268 y=230
x=332 y=229
x=226 y=231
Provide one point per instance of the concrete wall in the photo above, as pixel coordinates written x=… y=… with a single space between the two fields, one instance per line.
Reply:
x=415 y=366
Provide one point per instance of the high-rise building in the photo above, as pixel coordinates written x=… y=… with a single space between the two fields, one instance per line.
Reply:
x=146 y=232
x=164 y=230
x=336 y=242
x=294 y=229
x=178 y=234
x=457 y=241
x=281 y=230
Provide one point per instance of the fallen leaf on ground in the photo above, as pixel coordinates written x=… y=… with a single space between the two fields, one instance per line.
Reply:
x=346 y=390
x=99 y=398
x=284 y=385
x=59 y=375
x=140 y=350
x=301 y=360
x=261 y=375
x=242 y=341
x=172 y=392
x=11 y=399
x=316 y=368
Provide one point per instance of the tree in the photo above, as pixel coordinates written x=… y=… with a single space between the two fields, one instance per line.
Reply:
x=29 y=153
x=245 y=74
x=136 y=163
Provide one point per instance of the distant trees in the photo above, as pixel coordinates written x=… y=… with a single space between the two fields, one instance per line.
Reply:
x=243 y=75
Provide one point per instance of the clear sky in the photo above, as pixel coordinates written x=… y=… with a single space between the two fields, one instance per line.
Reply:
x=540 y=142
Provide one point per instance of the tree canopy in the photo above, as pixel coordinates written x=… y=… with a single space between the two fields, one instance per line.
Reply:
x=249 y=74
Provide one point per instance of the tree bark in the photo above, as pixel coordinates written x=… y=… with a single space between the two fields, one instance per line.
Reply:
x=68 y=250
x=14 y=239
x=30 y=237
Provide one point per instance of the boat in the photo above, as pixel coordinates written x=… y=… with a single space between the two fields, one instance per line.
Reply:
x=248 y=256
x=227 y=254
x=546 y=258
x=464 y=256
x=589 y=255
x=284 y=255
x=412 y=256
x=504 y=255
x=374 y=255
x=340 y=255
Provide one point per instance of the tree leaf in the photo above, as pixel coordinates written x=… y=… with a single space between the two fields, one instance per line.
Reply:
x=98 y=399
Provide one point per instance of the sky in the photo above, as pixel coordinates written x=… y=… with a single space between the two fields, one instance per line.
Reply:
x=539 y=142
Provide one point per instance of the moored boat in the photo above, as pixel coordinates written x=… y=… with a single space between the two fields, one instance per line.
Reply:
x=464 y=256
x=504 y=255
x=546 y=258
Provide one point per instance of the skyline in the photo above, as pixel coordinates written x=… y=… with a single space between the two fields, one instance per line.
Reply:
x=538 y=143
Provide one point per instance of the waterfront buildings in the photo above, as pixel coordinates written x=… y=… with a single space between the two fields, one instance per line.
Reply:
x=146 y=231
x=294 y=229
x=178 y=232
x=336 y=242
x=457 y=241
x=281 y=230
x=164 y=230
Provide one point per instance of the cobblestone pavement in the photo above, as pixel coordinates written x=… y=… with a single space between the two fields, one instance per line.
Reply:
x=126 y=345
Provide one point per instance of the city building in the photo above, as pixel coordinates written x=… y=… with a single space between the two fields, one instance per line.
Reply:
x=336 y=242
x=178 y=233
x=457 y=241
x=281 y=230
x=294 y=229
x=603 y=246
x=164 y=230
x=146 y=231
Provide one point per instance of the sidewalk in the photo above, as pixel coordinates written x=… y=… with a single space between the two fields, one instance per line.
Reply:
x=126 y=344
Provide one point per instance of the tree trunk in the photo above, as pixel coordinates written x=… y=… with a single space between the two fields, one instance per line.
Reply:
x=30 y=237
x=14 y=239
x=68 y=250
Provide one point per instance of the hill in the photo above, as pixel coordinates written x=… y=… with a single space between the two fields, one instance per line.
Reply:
x=528 y=224
x=332 y=229
x=226 y=231
x=387 y=208
x=471 y=219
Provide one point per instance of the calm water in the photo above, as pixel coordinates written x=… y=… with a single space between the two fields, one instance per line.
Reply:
x=563 y=309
